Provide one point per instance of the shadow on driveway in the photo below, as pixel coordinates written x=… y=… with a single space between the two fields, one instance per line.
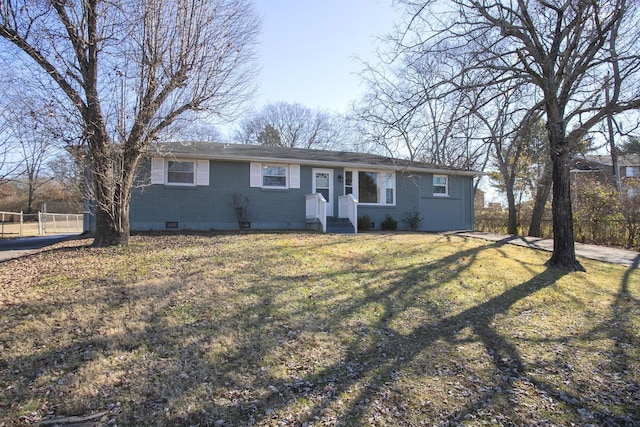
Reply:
x=15 y=248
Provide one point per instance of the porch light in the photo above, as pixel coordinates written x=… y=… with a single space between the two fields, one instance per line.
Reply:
x=340 y=179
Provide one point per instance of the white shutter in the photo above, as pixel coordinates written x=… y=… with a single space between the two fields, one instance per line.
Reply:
x=256 y=175
x=294 y=176
x=202 y=177
x=157 y=170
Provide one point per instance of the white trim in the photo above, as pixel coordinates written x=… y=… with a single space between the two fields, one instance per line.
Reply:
x=255 y=179
x=160 y=171
x=294 y=176
x=157 y=170
x=330 y=211
x=381 y=189
x=180 y=184
x=446 y=185
x=287 y=175
x=202 y=172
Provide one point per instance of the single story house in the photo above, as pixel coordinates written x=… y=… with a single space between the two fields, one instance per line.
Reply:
x=215 y=186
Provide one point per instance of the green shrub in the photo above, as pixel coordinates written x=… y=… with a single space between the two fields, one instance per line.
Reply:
x=389 y=223
x=413 y=220
x=364 y=223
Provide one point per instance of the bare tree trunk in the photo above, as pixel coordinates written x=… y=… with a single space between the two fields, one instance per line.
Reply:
x=31 y=192
x=563 y=238
x=512 y=225
x=186 y=56
x=543 y=191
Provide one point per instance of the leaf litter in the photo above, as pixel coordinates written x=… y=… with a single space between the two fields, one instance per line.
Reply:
x=300 y=329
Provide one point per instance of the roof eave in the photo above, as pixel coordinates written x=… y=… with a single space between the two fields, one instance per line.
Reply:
x=316 y=162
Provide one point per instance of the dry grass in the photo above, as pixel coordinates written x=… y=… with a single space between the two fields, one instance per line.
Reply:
x=309 y=330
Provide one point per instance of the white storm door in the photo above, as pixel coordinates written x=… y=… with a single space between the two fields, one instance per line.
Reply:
x=323 y=184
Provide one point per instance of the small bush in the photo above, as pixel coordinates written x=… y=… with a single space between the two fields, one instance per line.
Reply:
x=364 y=223
x=413 y=220
x=389 y=223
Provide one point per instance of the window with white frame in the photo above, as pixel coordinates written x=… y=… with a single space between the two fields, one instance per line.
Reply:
x=440 y=185
x=274 y=175
x=371 y=187
x=181 y=172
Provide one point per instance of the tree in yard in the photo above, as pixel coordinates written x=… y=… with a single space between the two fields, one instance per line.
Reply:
x=293 y=125
x=7 y=166
x=35 y=132
x=128 y=71
x=405 y=113
x=505 y=124
x=569 y=51
x=9 y=162
x=540 y=170
x=631 y=145
x=630 y=209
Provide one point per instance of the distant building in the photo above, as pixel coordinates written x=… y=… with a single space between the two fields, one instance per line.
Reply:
x=585 y=169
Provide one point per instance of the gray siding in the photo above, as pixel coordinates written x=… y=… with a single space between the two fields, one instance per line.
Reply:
x=210 y=207
x=438 y=213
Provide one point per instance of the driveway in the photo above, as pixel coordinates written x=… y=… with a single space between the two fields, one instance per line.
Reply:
x=15 y=248
x=624 y=257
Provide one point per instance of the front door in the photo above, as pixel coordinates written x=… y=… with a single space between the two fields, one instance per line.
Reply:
x=323 y=184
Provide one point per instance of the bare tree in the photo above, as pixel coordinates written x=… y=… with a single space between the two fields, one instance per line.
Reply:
x=129 y=70
x=569 y=51
x=34 y=130
x=406 y=114
x=540 y=172
x=8 y=165
x=9 y=160
x=502 y=117
x=293 y=125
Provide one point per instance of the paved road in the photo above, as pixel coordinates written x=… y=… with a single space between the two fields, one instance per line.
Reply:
x=624 y=257
x=14 y=248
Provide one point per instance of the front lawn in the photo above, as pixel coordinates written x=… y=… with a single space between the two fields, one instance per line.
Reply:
x=302 y=329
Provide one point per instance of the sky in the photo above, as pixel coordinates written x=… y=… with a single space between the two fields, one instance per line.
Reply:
x=309 y=49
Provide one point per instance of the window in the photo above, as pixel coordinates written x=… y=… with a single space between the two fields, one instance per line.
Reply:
x=371 y=187
x=389 y=181
x=274 y=176
x=440 y=185
x=633 y=171
x=348 y=182
x=180 y=172
x=368 y=187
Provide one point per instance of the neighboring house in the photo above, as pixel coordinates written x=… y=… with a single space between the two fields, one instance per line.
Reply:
x=600 y=168
x=213 y=186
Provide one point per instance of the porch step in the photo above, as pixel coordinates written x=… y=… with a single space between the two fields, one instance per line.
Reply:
x=339 y=226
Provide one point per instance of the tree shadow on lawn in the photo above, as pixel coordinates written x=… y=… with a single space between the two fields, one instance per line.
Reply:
x=363 y=377
x=379 y=370
x=173 y=374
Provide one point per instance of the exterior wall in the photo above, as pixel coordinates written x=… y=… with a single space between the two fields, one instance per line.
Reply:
x=210 y=207
x=438 y=213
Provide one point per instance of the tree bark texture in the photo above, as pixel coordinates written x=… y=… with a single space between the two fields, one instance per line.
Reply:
x=563 y=237
x=543 y=190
